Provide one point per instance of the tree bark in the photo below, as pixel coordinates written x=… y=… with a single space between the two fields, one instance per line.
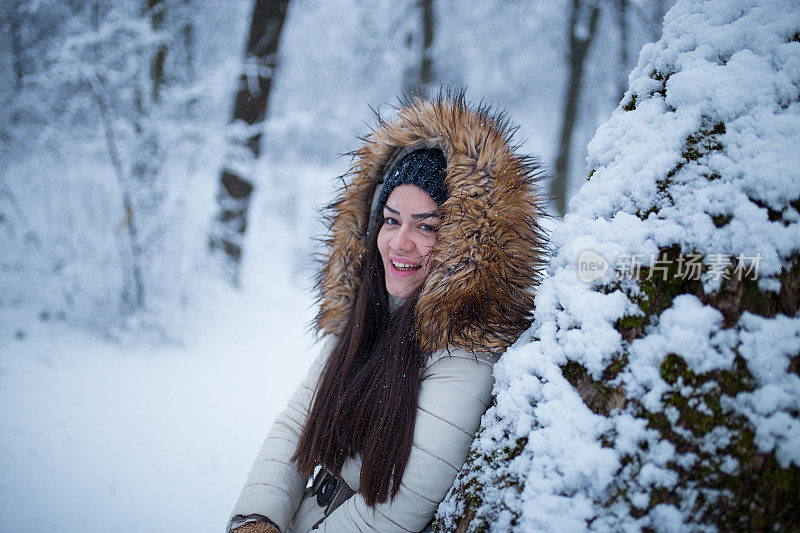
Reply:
x=250 y=106
x=578 y=48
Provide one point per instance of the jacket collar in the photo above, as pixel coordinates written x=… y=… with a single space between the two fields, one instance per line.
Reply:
x=490 y=248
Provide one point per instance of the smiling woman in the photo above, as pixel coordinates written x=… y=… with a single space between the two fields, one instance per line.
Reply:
x=434 y=254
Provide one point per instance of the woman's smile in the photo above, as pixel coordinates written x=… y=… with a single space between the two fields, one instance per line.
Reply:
x=402 y=267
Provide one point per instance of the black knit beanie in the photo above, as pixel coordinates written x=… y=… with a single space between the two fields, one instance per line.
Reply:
x=424 y=168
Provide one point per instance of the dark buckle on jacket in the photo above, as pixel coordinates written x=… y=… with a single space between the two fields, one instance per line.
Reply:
x=325 y=486
x=331 y=492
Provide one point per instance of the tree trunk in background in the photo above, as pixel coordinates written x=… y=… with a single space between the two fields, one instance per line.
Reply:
x=133 y=292
x=250 y=107
x=658 y=18
x=188 y=38
x=187 y=35
x=147 y=157
x=621 y=8
x=426 y=65
x=157 y=11
x=419 y=75
x=131 y=254
x=17 y=46
x=651 y=14
x=580 y=39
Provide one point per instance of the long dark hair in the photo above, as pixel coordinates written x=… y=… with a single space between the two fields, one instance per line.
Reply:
x=366 y=399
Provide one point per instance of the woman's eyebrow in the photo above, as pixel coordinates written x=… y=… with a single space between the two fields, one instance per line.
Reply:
x=418 y=216
x=422 y=216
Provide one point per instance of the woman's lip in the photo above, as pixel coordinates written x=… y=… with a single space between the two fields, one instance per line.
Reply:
x=401 y=273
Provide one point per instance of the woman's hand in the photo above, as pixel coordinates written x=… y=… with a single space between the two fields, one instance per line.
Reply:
x=256 y=527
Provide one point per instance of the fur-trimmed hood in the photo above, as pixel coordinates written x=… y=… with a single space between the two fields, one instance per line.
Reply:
x=490 y=247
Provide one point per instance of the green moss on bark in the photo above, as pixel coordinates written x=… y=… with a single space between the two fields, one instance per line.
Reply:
x=757 y=493
x=470 y=488
x=738 y=486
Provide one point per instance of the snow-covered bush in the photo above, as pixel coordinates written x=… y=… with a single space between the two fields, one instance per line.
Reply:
x=659 y=386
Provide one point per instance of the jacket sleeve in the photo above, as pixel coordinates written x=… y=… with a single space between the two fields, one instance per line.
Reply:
x=274 y=487
x=454 y=394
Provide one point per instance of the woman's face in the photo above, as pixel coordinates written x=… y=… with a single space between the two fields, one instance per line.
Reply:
x=406 y=238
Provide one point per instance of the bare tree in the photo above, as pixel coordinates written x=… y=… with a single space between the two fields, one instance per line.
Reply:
x=144 y=165
x=250 y=107
x=651 y=14
x=187 y=34
x=581 y=30
x=133 y=298
x=157 y=10
x=133 y=293
x=15 y=23
x=419 y=74
x=621 y=11
x=659 y=10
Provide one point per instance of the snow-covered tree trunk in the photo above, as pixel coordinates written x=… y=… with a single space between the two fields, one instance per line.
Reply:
x=659 y=386
x=249 y=112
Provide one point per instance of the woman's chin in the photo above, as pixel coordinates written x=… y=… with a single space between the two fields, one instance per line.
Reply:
x=401 y=290
x=398 y=293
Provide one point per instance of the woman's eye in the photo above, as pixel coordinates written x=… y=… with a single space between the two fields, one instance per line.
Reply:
x=428 y=227
x=390 y=220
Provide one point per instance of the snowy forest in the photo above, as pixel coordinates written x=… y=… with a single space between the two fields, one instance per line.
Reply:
x=162 y=168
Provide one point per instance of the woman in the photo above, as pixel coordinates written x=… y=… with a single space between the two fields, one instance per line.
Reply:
x=434 y=252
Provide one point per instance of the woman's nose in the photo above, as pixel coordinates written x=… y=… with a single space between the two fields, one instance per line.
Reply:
x=401 y=240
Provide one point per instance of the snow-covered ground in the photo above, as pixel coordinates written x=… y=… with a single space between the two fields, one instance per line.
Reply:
x=101 y=435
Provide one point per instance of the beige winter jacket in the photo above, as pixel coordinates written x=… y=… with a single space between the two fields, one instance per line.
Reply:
x=476 y=300
x=455 y=392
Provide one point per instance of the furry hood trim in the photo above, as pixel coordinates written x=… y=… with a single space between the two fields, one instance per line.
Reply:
x=490 y=248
